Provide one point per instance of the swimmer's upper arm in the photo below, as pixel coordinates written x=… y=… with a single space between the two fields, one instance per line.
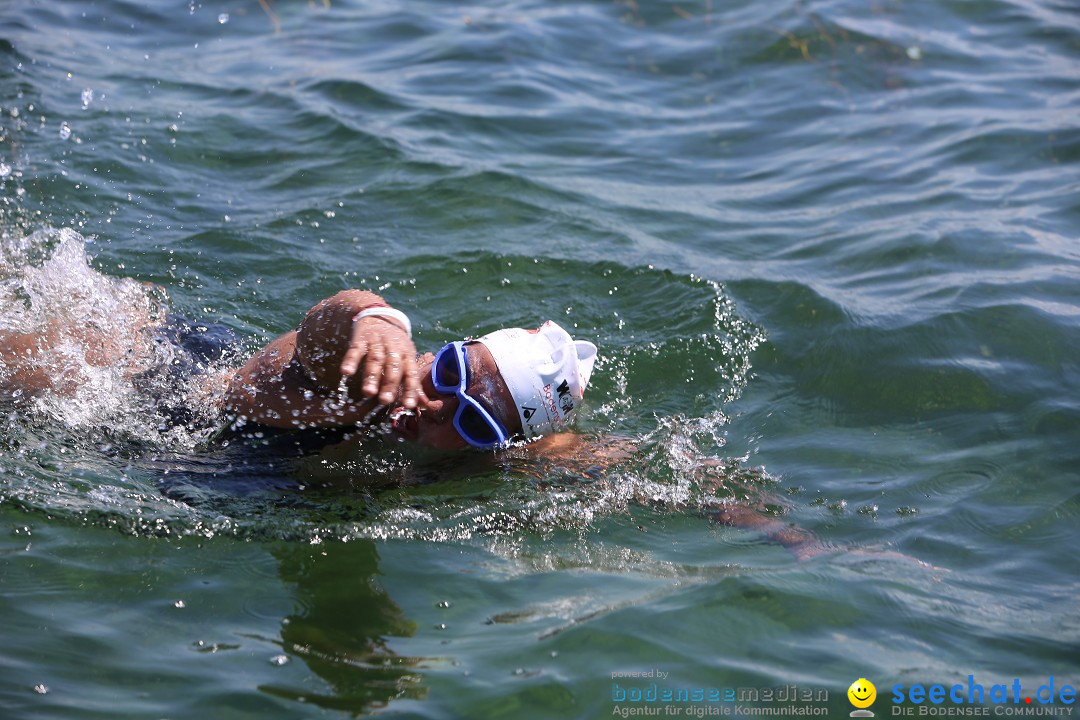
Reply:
x=255 y=390
x=272 y=389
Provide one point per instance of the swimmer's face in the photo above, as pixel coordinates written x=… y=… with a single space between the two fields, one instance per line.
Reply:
x=434 y=427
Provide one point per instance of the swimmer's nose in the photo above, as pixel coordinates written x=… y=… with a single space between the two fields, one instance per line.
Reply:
x=440 y=408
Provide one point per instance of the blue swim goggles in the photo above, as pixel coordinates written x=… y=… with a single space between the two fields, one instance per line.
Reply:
x=450 y=375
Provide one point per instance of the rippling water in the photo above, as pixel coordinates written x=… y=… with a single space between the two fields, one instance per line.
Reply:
x=829 y=252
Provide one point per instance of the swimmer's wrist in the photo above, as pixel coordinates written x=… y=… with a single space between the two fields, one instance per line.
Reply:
x=383 y=310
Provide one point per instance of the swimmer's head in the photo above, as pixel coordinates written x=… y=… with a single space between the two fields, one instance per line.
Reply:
x=546 y=372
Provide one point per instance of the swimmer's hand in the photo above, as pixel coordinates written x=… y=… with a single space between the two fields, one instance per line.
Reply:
x=389 y=359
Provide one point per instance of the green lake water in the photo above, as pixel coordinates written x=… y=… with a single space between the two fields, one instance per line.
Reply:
x=830 y=254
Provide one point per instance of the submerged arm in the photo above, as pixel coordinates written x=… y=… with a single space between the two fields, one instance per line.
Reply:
x=586 y=456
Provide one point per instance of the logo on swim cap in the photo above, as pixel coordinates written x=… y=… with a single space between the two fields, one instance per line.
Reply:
x=565 y=401
x=546 y=372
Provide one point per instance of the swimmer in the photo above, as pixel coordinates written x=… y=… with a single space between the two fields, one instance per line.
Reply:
x=352 y=363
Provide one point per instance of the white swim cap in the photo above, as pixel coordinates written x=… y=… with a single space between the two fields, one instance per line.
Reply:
x=546 y=371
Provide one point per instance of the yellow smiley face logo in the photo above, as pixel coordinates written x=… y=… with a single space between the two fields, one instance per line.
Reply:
x=862 y=693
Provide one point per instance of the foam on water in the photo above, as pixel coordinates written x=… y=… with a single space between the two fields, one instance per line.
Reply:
x=96 y=335
x=90 y=322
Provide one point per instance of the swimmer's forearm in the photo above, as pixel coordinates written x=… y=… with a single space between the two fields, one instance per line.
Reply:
x=286 y=408
x=266 y=391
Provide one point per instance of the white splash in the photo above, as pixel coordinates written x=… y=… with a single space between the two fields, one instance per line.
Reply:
x=94 y=335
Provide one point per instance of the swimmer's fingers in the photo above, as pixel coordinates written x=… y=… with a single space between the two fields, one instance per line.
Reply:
x=358 y=347
x=401 y=377
x=412 y=393
x=393 y=369
x=373 y=368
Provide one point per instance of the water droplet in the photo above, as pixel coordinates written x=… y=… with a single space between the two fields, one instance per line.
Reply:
x=914 y=52
x=223 y=18
x=65 y=131
x=179 y=604
x=5 y=170
x=87 y=97
x=443 y=604
x=279 y=660
x=41 y=689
